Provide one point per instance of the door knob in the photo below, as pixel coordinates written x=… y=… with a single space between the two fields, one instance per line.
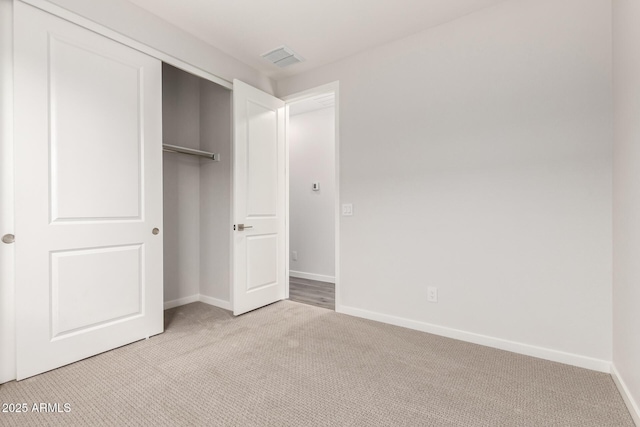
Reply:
x=8 y=239
x=155 y=231
x=241 y=227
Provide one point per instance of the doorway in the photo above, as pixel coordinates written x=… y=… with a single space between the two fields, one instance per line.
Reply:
x=313 y=198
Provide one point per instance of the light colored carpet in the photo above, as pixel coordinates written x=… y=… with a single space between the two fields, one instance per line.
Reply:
x=291 y=364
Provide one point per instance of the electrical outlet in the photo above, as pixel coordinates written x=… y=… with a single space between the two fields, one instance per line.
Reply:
x=347 y=209
x=294 y=255
x=432 y=294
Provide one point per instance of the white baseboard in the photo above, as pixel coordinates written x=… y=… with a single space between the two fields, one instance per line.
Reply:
x=198 y=297
x=181 y=301
x=502 y=344
x=312 y=276
x=216 y=302
x=632 y=406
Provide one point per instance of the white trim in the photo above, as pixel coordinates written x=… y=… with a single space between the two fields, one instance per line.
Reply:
x=216 y=302
x=195 y=298
x=312 y=276
x=318 y=90
x=338 y=210
x=632 y=406
x=181 y=301
x=287 y=219
x=120 y=38
x=232 y=203
x=7 y=269
x=335 y=88
x=502 y=344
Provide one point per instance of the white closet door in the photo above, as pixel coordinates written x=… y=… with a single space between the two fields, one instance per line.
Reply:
x=259 y=199
x=88 y=123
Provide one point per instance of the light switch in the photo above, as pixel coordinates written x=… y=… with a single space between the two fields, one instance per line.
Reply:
x=316 y=186
x=347 y=209
x=432 y=294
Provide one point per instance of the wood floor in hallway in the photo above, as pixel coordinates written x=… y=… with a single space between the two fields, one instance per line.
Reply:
x=312 y=292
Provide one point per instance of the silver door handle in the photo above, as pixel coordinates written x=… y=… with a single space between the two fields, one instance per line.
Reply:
x=241 y=227
x=8 y=239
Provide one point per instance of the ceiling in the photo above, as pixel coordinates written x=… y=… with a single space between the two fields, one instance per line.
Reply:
x=321 y=31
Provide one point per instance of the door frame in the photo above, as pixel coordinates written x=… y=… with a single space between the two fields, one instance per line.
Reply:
x=289 y=99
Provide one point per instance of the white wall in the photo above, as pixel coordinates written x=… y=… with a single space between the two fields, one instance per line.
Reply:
x=478 y=158
x=215 y=195
x=140 y=25
x=197 y=192
x=626 y=200
x=312 y=213
x=181 y=184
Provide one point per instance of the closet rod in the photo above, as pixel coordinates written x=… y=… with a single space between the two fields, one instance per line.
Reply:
x=191 y=152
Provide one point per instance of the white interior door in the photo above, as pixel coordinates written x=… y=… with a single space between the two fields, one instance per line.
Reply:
x=259 y=273
x=88 y=162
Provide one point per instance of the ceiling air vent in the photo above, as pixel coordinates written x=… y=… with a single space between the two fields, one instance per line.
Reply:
x=283 y=56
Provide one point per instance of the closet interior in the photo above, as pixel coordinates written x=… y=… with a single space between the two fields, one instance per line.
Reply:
x=197 y=188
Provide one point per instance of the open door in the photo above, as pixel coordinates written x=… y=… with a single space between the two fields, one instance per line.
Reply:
x=88 y=180
x=259 y=271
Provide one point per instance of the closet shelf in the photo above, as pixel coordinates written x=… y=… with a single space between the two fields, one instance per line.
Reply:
x=192 y=152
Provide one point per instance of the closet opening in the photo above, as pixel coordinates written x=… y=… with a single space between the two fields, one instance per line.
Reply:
x=312 y=199
x=197 y=146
